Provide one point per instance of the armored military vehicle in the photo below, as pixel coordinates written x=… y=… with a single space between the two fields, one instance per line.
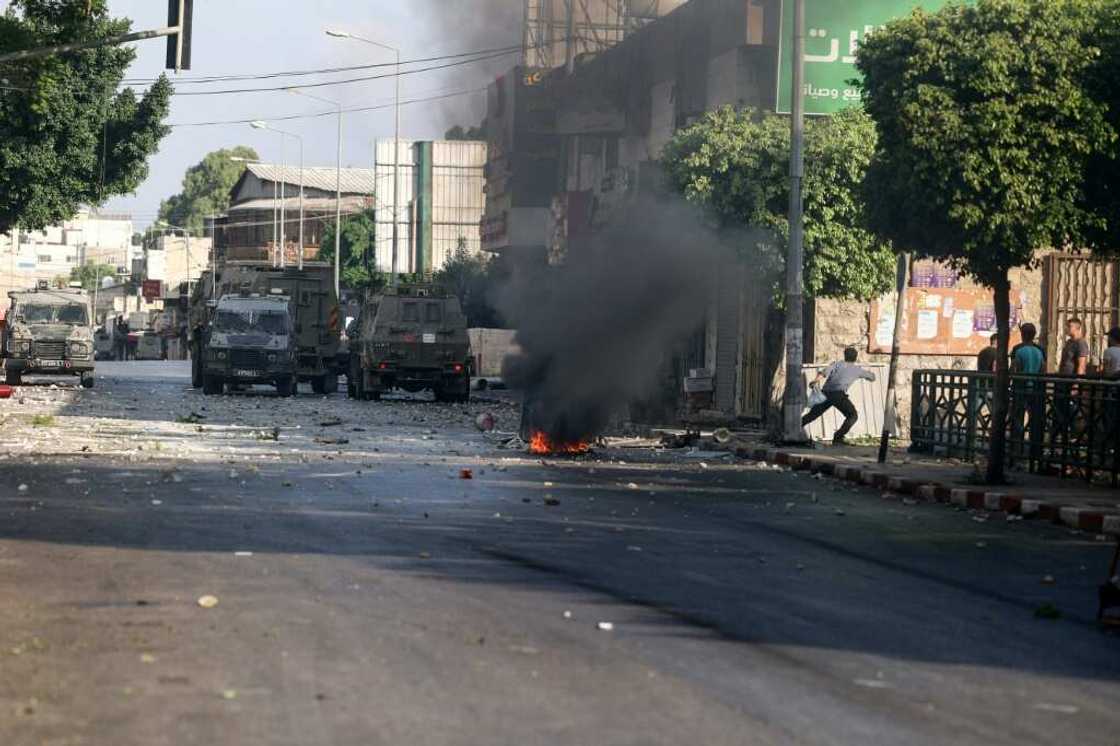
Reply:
x=313 y=307
x=413 y=338
x=250 y=340
x=48 y=331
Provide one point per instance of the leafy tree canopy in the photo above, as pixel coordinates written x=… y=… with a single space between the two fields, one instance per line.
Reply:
x=359 y=261
x=473 y=279
x=458 y=132
x=736 y=163
x=90 y=275
x=206 y=188
x=986 y=131
x=68 y=137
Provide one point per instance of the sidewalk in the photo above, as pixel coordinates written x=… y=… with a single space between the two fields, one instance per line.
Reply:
x=1068 y=501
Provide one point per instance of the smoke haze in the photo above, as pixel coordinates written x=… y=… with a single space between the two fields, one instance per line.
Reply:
x=595 y=334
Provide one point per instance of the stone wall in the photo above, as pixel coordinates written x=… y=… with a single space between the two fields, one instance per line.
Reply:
x=842 y=323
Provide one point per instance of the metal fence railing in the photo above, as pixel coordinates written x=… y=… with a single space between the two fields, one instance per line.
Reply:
x=1055 y=425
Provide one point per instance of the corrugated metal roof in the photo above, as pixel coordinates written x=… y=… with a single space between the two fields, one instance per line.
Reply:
x=353 y=180
x=350 y=204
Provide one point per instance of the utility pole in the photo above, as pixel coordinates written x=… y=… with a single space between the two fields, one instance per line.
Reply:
x=889 y=410
x=569 y=36
x=793 y=401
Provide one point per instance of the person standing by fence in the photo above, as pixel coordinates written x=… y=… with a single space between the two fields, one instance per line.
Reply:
x=1110 y=360
x=1027 y=359
x=837 y=379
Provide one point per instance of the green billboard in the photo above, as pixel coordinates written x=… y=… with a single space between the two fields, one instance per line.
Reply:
x=833 y=31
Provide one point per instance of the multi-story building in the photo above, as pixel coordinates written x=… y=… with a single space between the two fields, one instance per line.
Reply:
x=570 y=143
x=437 y=205
x=90 y=237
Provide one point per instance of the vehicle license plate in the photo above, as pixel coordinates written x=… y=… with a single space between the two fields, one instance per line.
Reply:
x=240 y=373
x=51 y=363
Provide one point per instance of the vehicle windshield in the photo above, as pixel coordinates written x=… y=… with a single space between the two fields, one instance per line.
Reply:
x=251 y=320
x=46 y=313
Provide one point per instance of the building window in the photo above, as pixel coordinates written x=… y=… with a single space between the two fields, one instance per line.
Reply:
x=44 y=259
x=410 y=312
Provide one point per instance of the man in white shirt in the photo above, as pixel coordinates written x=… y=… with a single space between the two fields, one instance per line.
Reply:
x=837 y=379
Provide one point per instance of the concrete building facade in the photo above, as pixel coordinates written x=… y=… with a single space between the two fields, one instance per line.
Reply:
x=89 y=237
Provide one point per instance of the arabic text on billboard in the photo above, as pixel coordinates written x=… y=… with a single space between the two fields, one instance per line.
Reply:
x=833 y=31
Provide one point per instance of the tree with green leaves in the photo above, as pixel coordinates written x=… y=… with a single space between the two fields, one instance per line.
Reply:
x=91 y=275
x=68 y=137
x=986 y=132
x=458 y=132
x=359 y=260
x=736 y=164
x=206 y=188
x=473 y=279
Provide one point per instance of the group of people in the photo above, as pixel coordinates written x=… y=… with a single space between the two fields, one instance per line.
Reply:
x=830 y=388
x=1028 y=358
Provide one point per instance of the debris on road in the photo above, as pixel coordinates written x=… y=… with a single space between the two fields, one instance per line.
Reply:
x=606 y=626
x=551 y=501
x=208 y=601
x=485 y=422
x=466 y=474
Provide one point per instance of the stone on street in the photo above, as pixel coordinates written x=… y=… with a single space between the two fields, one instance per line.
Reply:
x=247 y=569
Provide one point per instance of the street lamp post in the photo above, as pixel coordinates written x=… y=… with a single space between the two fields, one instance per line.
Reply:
x=338 y=193
x=396 y=140
x=262 y=125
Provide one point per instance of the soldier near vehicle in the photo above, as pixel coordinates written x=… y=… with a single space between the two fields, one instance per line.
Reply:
x=48 y=332
x=313 y=309
x=413 y=338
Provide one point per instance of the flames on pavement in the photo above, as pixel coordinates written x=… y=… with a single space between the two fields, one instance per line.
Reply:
x=542 y=445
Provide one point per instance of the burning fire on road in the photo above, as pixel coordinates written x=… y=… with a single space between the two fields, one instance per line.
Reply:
x=540 y=444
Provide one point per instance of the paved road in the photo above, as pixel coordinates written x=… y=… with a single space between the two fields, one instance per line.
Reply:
x=369 y=595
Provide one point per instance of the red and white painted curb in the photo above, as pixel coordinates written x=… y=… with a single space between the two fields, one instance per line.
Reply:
x=1094 y=520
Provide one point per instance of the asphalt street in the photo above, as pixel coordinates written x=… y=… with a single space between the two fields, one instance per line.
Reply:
x=367 y=593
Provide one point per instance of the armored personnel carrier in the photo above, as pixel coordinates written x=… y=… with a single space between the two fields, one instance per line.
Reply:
x=48 y=331
x=313 y=306
x=250 y=340
x=413 y=338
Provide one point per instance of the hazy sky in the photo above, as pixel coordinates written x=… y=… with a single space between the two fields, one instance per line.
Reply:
x=260 y=36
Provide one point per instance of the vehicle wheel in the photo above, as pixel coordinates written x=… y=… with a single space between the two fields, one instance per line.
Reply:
x=196 y=367
x=286 y=387
x=12 y=378
x=87 y=381
x=211 y=385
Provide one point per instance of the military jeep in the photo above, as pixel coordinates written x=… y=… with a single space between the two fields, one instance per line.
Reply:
x=48 y=332
x=413 y=338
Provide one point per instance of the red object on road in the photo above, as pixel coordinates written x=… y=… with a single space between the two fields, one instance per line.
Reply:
x=5 y=391
x=466 y=474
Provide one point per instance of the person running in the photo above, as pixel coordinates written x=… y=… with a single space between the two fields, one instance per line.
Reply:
x=837 y=379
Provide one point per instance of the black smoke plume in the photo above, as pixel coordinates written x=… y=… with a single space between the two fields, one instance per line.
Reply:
x=597 y=332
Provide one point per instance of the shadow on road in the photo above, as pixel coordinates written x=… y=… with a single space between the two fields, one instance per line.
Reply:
x=710 y=549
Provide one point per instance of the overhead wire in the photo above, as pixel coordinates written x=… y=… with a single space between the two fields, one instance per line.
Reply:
x=323 y=84
x=322 y=71
x=327 y=113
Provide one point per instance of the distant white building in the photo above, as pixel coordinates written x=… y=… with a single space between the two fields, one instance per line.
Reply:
x=174 y=260
x=89 y=237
